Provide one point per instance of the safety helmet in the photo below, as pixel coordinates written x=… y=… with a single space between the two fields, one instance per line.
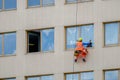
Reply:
x=80 y=39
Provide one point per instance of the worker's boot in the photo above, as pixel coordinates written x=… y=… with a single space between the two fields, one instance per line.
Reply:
x=75 y=60
x=84 y=60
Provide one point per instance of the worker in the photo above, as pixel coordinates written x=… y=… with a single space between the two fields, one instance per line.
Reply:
x=80 y=50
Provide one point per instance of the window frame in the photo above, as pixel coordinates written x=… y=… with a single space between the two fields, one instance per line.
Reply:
x=27 y=49
x=111 y=45
x=32 y=76
x=78 y=1
x=73 y=26
x=3 y=54
x=3 y=7
x=40 y=5
x=79 y=74
x=8 y=78
x=105 y=70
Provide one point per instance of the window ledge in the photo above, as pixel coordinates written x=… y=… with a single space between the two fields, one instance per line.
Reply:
x=40 y=52
x=7 y=55
x=3 y=10
x=114 y=45
x=29 y=7
x=74 y=49
x=77 y=2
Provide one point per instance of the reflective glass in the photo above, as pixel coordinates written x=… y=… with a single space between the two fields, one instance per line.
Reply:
x=71 y=37
x=0 y=44
x=111 y=75
x=46 y=77
x=111 y=33
x=87 y=76
x=47 y=40
x=33 y=2
x=72 y=77
x=48 y=2
x=9 y=43
x=34 y=78
x=87 y=33
x=10 y=4
x=71 y=1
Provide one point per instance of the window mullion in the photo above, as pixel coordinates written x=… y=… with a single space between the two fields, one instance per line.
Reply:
x=79 y=31
x=118 y=74
x=118 y=32
x=40 y=41
x=2 y=44
x=79 y=76
x=41 y=3
x=2 y=4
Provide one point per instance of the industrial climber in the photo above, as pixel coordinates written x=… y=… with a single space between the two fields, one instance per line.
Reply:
x=80 y=50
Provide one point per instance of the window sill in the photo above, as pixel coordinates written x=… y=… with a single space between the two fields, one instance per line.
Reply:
x=113 y=45
x=46 y=52
x=4 y=10
x=74 y=49
x=77 y=2
x=29 y=7
x=7 y=55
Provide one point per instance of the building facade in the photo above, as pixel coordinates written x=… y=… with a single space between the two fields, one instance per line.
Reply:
x=37 y=39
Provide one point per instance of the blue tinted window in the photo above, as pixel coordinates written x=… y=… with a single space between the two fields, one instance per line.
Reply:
x=34 y=78
x=10 y=4
x=46 y=77
x=33 y=2
x=48 y=2
x=87 y=76
x=47 y=40
x=9 y=43
x=87 y=33
x=72 y=36
x=72 y=77
x=0 y=4
x=0 y=44
x=111 y=33
x=111 y=75
x=71 y=1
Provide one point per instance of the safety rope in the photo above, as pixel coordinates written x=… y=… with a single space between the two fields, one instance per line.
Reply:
x=76 y=15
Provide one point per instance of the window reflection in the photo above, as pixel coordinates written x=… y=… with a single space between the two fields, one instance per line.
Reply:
x=10 y=4
x=33 y=2
x=111 y=33
x=9 y=43
x=111 y=75
x=47 y=40
x=87 y=76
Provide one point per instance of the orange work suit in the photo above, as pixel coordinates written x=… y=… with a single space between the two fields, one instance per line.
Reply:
x=82 y=51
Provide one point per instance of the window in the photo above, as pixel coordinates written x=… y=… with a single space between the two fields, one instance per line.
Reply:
x=48 y=77
x=41 y=40
x=9 y=79
x=80 y=76
x=34 y=3
x=111 y=75
x=75 y=1
x=8 y=4
x=8 y=43
x=73 y=33
x=112 y=33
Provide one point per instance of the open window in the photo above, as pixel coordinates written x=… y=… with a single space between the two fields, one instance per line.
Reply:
x=34 y=41
x=40 y=40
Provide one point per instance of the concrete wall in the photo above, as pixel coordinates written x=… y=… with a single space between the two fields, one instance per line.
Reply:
x=60 y=61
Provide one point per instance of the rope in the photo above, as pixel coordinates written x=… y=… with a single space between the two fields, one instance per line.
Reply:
x=76 y=15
